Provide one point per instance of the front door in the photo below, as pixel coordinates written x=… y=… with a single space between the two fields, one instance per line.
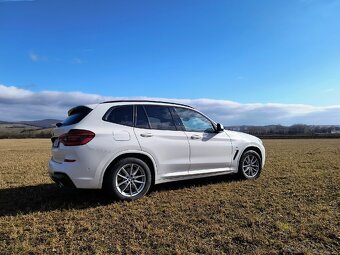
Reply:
x=210 y=151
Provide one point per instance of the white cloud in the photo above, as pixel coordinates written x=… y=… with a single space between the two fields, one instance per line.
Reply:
x=23 y=104
x=77 y=61
x=36 y=57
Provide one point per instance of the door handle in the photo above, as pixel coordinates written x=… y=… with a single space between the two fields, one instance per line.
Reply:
x=195 y=137
x=146 y=135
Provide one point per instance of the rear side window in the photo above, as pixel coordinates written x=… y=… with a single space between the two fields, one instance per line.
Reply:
x=142 y=120
x=159 y=117
x=122 y=115
x=76 y=115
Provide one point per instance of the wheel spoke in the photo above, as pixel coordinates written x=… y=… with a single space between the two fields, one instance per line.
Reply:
x=124 y=177
x=139 y=176
x=136 y=170
x=120 y=184
x=134 y=185
x=131 y=169
x=124 y=170
x=255 y=171
x=125 y=187
x=130 y=189
x=138 y=181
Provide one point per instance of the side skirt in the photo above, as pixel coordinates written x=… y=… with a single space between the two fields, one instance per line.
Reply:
x=179 y=176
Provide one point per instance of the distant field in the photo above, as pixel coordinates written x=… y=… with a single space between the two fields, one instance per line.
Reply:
x=23 y=131
x=294 y=208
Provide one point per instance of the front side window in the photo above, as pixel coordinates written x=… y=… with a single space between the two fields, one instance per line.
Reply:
x=122 y=115
x=159 y=117
x=194 y=121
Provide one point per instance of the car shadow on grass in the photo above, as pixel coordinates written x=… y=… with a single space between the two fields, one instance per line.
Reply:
x=49 y=197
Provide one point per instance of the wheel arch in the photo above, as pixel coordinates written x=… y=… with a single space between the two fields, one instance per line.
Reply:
x=254 y=148
x=144 y=157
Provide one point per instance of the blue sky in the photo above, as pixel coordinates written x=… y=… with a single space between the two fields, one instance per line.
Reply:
x=265 y=52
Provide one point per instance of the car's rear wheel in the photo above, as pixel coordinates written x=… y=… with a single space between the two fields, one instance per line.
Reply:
x=128 y=179
x=250 y=165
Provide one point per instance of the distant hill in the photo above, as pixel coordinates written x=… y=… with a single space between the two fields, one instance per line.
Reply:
x=47 y=123
x=27 y=129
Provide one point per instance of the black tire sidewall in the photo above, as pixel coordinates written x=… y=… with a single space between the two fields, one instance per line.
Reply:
x=240 y=169
x=111 y=177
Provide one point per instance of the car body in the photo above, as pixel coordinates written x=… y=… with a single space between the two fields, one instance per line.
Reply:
x=175 y=141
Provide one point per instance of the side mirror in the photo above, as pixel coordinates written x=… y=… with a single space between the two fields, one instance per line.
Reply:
x=219 y=127
x=59 y=124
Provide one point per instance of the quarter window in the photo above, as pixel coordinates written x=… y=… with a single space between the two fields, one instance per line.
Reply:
x=159 y=117
x=194 y=121
x=122 y=115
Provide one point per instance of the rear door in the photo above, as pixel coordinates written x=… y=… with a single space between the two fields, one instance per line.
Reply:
x=157 y=135
x=210 y=151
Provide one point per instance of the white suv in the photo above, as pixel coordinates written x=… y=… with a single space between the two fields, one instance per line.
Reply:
x=127 y=146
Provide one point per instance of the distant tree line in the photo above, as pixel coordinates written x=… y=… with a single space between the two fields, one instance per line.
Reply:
x=296 y=130
x=26 y=133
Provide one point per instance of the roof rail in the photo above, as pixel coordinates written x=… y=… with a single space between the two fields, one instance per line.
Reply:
x=145 y=101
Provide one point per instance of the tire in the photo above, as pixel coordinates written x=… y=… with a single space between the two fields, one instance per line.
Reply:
x=129 y=179
x=250 y=165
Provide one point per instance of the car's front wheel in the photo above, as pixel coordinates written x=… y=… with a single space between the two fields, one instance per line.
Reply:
x=128 y=179
x=250 y=165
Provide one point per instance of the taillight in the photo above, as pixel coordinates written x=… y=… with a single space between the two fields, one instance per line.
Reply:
x=76 y=137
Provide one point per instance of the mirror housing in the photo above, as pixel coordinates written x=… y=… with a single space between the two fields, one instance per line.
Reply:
x=59 y=124
x=219 y=127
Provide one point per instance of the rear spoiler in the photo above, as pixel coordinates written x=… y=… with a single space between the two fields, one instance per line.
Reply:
x=81 y=108
x=78 y=109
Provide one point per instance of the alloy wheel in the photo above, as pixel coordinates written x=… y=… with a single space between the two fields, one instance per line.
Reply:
x=251 y=166
x=130 y=180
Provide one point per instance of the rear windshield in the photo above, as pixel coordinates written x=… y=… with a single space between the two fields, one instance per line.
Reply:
x=76 y=115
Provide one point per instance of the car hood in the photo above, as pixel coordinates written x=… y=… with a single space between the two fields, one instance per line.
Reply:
x=243 y=136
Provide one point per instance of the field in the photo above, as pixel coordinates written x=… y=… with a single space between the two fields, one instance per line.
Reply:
x=292 y=209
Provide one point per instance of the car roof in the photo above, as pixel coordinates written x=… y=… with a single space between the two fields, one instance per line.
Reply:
x=146 y=101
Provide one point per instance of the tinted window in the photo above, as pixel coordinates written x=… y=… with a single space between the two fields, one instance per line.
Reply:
x=122 y=115
x=142 y=119
x=159 y=117
x=194 y=121
x=76 y=115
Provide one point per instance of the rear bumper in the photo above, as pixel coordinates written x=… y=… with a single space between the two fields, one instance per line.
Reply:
x=62 y=180
x=72 y=174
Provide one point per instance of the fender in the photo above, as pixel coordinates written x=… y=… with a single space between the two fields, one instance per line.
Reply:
x=103 y=167
x=246 y=148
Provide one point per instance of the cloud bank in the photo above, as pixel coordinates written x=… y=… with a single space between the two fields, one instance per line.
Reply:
x=22 y=104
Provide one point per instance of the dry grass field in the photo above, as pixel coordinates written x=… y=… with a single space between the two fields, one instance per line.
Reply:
x=292 y=209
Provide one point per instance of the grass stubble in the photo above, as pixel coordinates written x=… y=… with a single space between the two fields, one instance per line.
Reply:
x=292 y=209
